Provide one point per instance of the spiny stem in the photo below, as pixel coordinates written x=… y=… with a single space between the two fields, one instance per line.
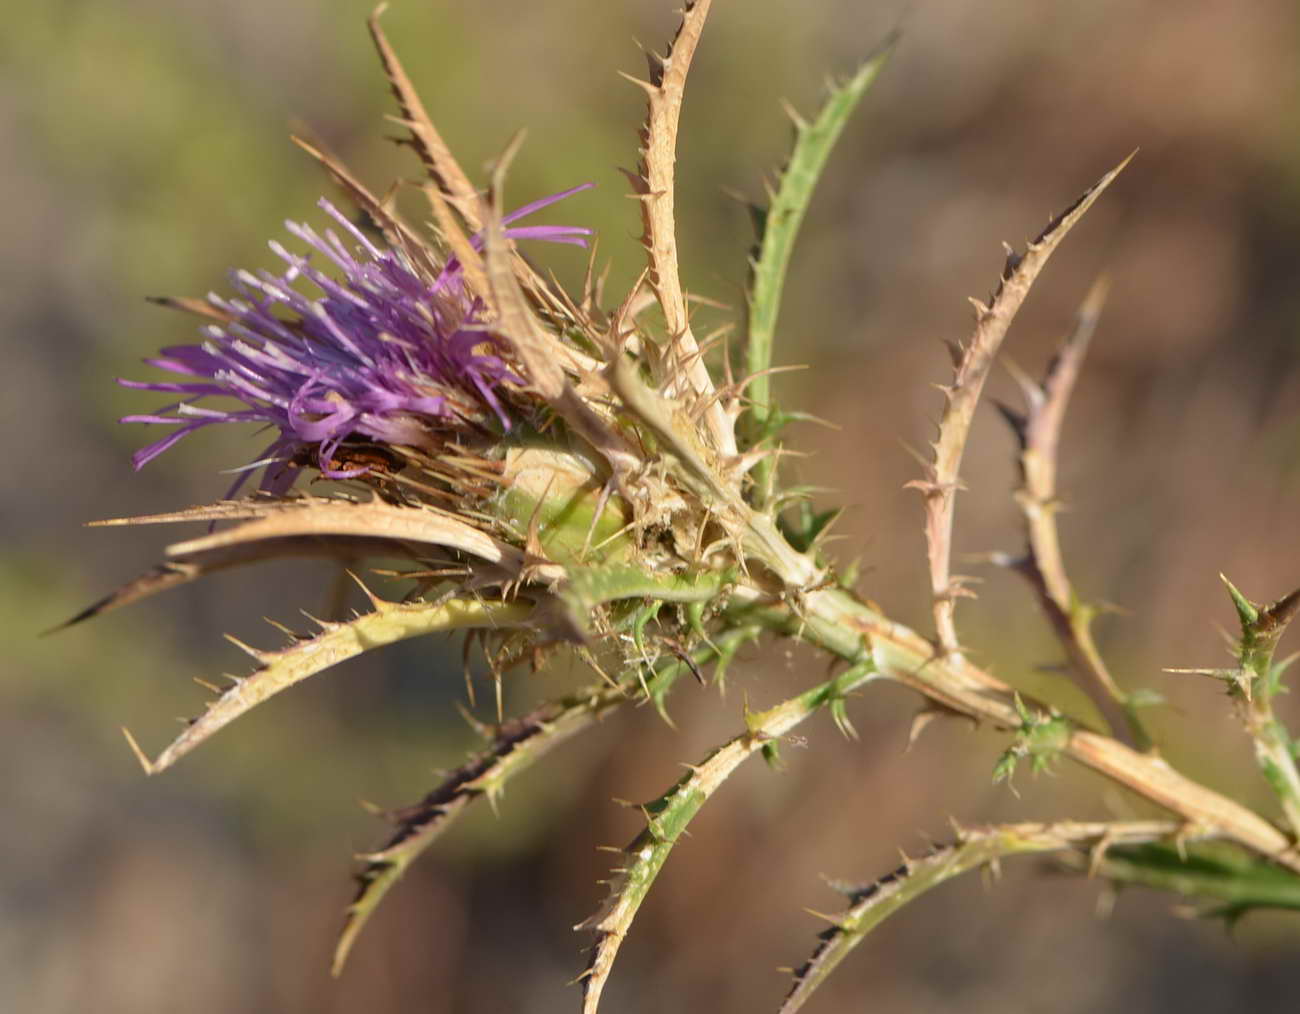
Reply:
x=839 y=623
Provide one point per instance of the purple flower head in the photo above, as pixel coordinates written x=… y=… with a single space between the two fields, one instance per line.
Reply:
x=385 y=350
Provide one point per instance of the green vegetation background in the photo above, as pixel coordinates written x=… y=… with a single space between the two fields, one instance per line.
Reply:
x=143 y=151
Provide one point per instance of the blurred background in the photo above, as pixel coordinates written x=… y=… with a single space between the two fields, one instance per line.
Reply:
x=143 y=151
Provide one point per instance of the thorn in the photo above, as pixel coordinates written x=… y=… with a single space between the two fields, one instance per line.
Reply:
x=1106 y=900
x=650 y=90
x=919 y=722
x=379 y=604
x=139 y=754
x=484 y=730
x=1029 y=387
x=244 y=647
x=1097 y=854
x=292 y=635
x=800 y=124
x=1018 y=421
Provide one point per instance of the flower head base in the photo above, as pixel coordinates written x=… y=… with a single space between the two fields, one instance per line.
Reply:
x=388 y=350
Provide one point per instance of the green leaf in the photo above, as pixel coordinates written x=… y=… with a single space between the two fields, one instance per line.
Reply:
x=778 y=227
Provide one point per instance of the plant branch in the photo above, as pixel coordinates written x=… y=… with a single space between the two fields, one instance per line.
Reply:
x=841 y=624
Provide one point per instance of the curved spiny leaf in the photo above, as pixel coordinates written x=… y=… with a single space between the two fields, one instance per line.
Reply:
x=434 y=153
x=668 y=816
x=515 y=746
x=193 y=566
x=279 y=670
x=330 y=518
x=974 y=360
x=873 y=903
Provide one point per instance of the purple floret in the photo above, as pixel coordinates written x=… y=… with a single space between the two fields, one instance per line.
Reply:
x=384 y=351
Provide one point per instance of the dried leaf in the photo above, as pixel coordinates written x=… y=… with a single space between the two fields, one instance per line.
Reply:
x=279 y=670
x=992 y=323
x=655 y=184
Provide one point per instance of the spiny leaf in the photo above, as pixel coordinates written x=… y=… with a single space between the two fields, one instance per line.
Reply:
x=515 y=320
x=1038 y=431
x=779 y=227
x=655 y=185
x=443 y=169
x=1259 y=682
x=329 y=518
x=992 y=322
x=193 y=566
x=1261 y=627
x=434 y=153
x=668 y=817
x=398 y=234
x=873 y=903
x=279 y=670
x=516 y=745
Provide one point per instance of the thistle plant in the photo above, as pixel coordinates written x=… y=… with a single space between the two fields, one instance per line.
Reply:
x=554 y=471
